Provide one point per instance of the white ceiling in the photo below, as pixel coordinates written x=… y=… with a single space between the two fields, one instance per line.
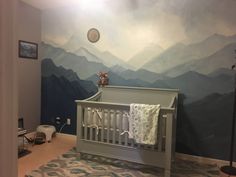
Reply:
x=49 y=4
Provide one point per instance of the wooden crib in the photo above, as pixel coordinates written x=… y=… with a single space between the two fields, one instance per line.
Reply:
x=102 y=125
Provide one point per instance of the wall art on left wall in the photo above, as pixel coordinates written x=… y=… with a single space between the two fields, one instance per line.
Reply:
x=28 y=50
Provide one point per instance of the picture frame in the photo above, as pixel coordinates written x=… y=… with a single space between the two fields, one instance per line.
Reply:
x=28 y=50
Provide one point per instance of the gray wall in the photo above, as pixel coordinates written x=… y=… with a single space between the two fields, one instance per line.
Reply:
x=29 y=70
x=8 y=89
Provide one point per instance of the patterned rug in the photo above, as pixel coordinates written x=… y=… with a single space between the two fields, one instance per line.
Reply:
x=72 y=164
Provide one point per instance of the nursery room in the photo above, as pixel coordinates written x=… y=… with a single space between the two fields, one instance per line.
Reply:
x=118 y=88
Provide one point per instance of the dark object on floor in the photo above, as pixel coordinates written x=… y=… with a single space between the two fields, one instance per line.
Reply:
x=228 y=170
x=24 y=152
x=40 y=138
x=29 y=140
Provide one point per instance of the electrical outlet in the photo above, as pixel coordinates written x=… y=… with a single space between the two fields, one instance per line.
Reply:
x=68 y=121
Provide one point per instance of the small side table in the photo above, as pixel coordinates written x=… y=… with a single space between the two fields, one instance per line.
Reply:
x=21 y=140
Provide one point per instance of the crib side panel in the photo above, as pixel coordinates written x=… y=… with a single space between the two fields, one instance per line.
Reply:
x=109 y=141
x=110 y=124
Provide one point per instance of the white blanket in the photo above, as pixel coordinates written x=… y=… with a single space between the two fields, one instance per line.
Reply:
x=143 y=123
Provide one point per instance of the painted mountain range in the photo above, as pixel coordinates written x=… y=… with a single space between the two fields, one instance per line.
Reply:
x=79 y=64
x=81 y=48
x=192 y=78
x=202 y=72
x=60 y=88
x=204 y=127
x=221 y=58
x=145 y=56
x=181 y=53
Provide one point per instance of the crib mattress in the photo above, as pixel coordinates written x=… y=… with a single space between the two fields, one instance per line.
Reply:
x=95 y=118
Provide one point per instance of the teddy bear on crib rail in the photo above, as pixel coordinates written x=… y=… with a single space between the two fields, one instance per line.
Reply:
x=103 y=79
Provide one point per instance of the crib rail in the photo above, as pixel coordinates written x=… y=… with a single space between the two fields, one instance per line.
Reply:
x=85 y=103
x=95 y=97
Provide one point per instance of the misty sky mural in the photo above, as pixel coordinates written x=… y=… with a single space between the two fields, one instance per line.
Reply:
x=184 y=44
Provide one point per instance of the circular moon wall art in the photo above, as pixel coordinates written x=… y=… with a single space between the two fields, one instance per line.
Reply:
x=93 y=35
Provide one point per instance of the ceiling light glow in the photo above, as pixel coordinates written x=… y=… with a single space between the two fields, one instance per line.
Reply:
x=94 y=5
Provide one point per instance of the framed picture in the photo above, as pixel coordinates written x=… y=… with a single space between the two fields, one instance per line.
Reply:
x=28 y=50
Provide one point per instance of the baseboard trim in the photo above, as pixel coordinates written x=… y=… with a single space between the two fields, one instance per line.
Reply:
x=32 y=134
x=201 y=159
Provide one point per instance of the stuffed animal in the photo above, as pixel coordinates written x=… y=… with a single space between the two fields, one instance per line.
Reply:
x=103 y=79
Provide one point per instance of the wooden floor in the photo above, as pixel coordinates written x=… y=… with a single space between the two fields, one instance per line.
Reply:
x=43 y=153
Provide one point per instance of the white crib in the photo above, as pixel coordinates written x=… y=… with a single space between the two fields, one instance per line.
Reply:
x=102 y=123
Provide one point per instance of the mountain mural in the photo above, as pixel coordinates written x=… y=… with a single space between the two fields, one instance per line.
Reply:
x=75 y=42
x=83 y=52
x=196 y=86
x=145 y=56
x=117 y=69
x=222 y=58
x=80 y=47
x=106 y=58
x=111 y=60
x=222 y=71
x=60 y=89
x=79 y=64
x=204 y=127
x=188 y=45
x=181 y=53
x=143 y=74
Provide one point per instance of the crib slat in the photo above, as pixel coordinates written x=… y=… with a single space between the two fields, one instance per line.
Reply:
x=160 y=135
x=114 y=127
x=120 y=127
x=164 y=130
x=108 y=125
x=125 y=123
x=97 y=129
x=126 y=139
x=86 y=123
x=91 y=122
x=102 y=131
x=90 y=133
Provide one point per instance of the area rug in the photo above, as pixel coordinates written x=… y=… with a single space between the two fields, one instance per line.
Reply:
x=73 y=164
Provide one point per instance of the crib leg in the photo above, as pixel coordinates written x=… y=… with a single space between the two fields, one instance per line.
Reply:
x=167 y=173
x=79 y=127
x=168 y=143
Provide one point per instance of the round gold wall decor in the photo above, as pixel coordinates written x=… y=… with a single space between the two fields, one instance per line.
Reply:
x=93 y=35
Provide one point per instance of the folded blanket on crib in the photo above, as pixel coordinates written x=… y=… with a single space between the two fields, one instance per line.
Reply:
x=143 y=123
